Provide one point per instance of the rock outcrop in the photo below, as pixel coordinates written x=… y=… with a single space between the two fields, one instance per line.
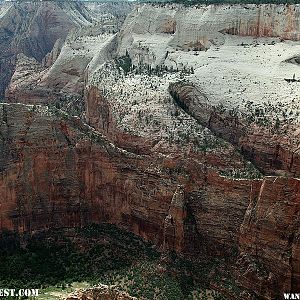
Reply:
x=102 y=292
x=38 y=30
x=64 y=173
x=174 y=223
x=33 y=28
x=270 y=235
x=203 y=26
x=272 y=151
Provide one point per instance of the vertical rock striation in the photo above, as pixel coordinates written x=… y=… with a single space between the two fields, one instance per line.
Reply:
x=270 y=235
x=58 y=172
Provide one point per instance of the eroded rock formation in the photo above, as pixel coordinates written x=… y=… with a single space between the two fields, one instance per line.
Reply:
x=38 y=30
x=173 y=109
x=271 y=151
x=33 y=29
x=270 y=232
x=57 y=172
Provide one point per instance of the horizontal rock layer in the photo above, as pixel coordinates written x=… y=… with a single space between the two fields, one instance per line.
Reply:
x=58 y=172
x=272 y=153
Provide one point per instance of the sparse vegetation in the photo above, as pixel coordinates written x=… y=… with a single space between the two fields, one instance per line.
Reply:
x=249 y=172
x=126 y=64
x=71 y=104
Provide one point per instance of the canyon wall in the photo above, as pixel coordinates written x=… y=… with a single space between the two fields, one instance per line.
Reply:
x=156 y=149
x=38 y=31
x=151 y=34
x=203 y=26
x=273 y=152
x=33 y=29
x=58 y=172
x=270 y=231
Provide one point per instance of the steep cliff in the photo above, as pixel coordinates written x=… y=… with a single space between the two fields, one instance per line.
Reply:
x=203 y=26
x=178 y=112
x=58 y=172
x=237 y=88
x=270 y=234
x=53 y=166
x=33 y=28
x=267 y=145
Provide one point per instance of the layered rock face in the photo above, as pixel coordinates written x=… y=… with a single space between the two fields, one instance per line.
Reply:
x=32 y=29
x=38 y=30
x=203 y=26
x=269 y=149
x=58 y=172
x=224 y=94
x=74 y=173
x=182 y=114
x=270 y=231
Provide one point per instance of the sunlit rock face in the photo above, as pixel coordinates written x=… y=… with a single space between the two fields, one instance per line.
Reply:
x=204 y=26
x=32 y=29
x=186 y=129
x=38 y=30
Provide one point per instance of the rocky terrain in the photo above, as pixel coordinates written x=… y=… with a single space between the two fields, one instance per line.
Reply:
x=38 y=30
x=100 y=293
x=180 y=125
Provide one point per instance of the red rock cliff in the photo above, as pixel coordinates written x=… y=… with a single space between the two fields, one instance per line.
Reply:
x=58 y=172
x=270 y=234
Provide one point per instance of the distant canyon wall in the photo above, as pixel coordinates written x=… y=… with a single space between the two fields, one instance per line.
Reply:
x=38 y=31
x=201 y=26
x=171 y=26
x=33 y=29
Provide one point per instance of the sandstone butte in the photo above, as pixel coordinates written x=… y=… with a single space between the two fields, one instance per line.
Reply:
x=60 y=170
